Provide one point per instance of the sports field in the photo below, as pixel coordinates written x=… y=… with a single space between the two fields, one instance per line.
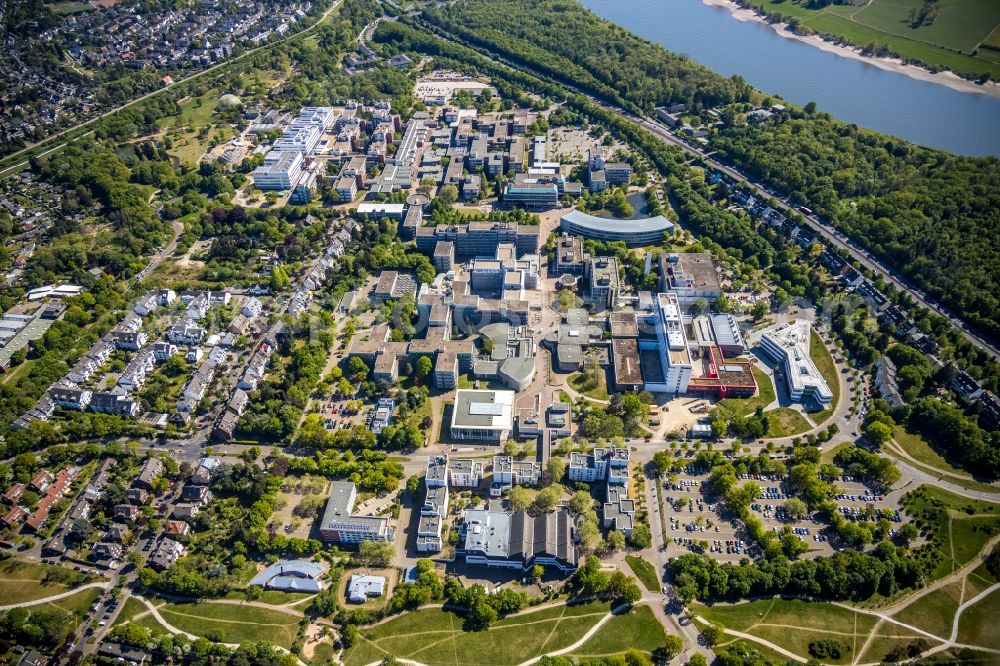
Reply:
x=961 y=35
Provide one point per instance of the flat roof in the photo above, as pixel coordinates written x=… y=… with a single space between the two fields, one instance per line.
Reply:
x=726 y=330
x=624 y=325
x=699 y=269
x=483 y=409
x=625 y=352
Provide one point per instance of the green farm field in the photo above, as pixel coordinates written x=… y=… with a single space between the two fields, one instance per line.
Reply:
x=948 y=35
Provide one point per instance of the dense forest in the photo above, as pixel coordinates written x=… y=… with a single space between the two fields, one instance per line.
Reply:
x=933 y=216
x=615 y=64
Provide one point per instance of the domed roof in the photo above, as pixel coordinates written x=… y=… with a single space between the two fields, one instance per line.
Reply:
x=229 y=101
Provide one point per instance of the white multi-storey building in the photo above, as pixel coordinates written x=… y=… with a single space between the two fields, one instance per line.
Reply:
x=280 y=171
x=789 y=343
x=671 y=346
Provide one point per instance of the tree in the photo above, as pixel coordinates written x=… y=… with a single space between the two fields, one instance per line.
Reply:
x=671 y=647
x=795 y=507
x=616 y=540
x=877 y=433
x=375 y=553
x=697 y=659
x=357 y=368
x=423 y=367
x=640 y=537
x=759 y=310
x=537 y=572
x=581 y=502
x=590 y=535
x=907 y=533
x=520 y=498
x=547 y=498
x=555 y=468
x=351 y=635
x=662 y=462
x=448 y=194
x=482 y=614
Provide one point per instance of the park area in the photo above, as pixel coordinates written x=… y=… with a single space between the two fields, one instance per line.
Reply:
x=960 y=596
x=195 y=129
x=961 y=35
x=223 y=621
x=436 y=637
x=26 y=581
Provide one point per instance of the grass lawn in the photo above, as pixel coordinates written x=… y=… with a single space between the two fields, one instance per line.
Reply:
x=131 y=608
x=828 y=455
x=888 y=638
x=934 y=611
x=920 y=450
x=978 y=624
x=793 y=624
x=22 y=581
x=785 y=422
x=731 y=407
x=77 y=604
x=434 y=636
x=644 y=571
x=149 y=622
x=581 y=383
x=637 y=629
x=275 y=597
x=978 y=580
x=322 y=654
x=11 y=376
x=821 y=357
x=195 y=113
x=958 y=526
x=231 y=623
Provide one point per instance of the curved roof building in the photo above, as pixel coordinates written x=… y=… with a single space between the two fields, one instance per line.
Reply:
x=643 y=231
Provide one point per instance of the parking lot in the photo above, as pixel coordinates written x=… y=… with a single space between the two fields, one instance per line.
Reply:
x=335 y=415
x=696 y=525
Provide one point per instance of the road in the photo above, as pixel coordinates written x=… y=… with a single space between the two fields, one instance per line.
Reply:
x=162 y=254
x=814 y=223
x=27 y=150
x=661 y=132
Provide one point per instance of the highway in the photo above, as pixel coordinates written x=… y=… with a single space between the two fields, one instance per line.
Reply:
x=829 y=236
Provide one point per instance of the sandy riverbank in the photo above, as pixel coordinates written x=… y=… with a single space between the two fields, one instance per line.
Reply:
x=945 y=78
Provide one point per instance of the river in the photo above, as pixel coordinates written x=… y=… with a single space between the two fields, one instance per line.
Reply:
x=923 y=112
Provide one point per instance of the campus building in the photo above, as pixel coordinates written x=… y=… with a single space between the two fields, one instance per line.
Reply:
x=788 y=343
x=486 y=416
x=493 y=537
x=479 y=239
x=691 y=276
x=670 y=348
x=280 y=170
x=338 y=525
x=635 y=233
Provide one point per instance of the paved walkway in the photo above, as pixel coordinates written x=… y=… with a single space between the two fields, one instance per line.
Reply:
x=885 y=615
x=174 y=630
x=556 y=653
